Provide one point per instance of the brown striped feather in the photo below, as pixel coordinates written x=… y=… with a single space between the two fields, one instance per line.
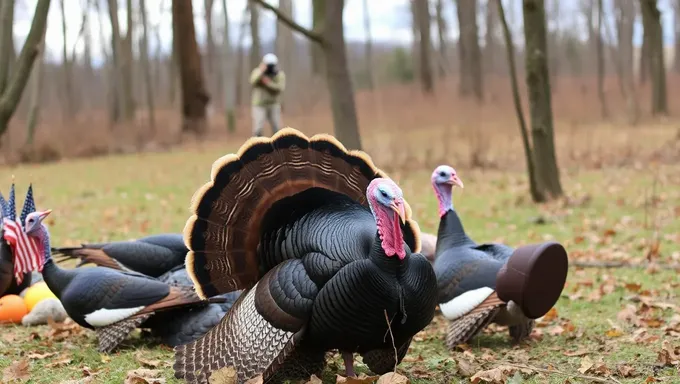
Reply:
x=96 y=256
x=464 y=328
x=222 y=233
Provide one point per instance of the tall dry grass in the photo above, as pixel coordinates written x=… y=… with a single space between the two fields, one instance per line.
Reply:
x=401 y=128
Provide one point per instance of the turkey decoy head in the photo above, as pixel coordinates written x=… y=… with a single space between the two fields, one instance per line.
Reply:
x=444 y=178
x=34 y=220
x=387 y=204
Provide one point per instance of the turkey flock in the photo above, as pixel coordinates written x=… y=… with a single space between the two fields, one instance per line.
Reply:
x=295 y=247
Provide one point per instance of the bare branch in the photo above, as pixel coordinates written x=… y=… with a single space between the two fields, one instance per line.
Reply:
x=17 y=82
x=312 y=35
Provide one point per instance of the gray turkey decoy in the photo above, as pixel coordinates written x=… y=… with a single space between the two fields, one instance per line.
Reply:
x=13 y=277
x=111 y=302
x=151 y=255
x=483 y=283
x=324 y=246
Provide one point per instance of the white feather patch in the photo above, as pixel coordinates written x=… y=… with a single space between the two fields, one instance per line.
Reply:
x=460 y=305
x=103 y=317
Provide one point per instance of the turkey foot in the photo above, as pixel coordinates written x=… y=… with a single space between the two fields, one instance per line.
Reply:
x=348 y=358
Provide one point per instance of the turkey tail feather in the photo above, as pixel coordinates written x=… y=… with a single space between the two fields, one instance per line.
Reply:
x=227 y=212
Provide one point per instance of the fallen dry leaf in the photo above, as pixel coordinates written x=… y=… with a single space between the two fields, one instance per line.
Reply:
x=465 y=367
x=578 y=352
x=626 y=370
x=226 y=375
x=314 y=380
x=144 y=376
x=146 y=362
x=18 y=370
x=361 y=379
x=498 y=375
x=613 y=333
x=586 y=365
x=393 y=378
x=40 y=356
x=668 y=356
x=629 y=315
x=59 y=363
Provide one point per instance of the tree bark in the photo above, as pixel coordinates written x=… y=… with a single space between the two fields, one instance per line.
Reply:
x=127 y=65
x=255 y=48
x=6 y=41
x=625 y=20
x=228 y=67
x=645 y=52
x=194 y=95
x=490 y=43
x=144 y=53
x=213 y=75
x=286 y=48
x=538 y=85
x=470 y=53
x=332 y=40
x=66 y=66
x=36 y=92
x=652 y=25
x=119 y=104
x=441 y=33
x=368 y=46
x=600 y=62
x=536 y=193
x=422 y=15
x=10 y=97
x=318 y=15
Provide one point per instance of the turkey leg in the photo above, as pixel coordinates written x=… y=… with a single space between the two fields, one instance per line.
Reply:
x=348 y=358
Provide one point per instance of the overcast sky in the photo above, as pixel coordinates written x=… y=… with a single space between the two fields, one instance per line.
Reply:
x=390 y=21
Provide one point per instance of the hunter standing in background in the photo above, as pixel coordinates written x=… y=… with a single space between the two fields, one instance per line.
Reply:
x=268 y=82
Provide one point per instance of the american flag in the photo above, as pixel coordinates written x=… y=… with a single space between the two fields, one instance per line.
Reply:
x=27 y=249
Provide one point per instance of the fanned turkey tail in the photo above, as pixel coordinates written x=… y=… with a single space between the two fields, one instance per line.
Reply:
x=223 y=234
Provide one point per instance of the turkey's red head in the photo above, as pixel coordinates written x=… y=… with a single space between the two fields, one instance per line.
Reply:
x=444 y=178
x=387 y=204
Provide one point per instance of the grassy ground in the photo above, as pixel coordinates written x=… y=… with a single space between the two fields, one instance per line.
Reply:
x=610 y=325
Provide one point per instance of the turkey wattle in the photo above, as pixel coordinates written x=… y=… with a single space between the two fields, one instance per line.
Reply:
x=13 y=278
x=483 y=283
x=111 y=302
x=324 y=245
x=151 y=255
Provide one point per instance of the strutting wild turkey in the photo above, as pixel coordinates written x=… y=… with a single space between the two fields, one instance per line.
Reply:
x=324 y=246
x=111 y=302
x=13 y=278
x=483 y=283
x=151 y=255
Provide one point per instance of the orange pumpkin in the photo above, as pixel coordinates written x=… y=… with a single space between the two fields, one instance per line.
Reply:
x=12 y=309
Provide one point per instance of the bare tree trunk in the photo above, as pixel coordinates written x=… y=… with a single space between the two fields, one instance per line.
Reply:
x=238 y=74
x=425 y=44
x=36 y=92
x=66 y=66
x=645 y=53
x=212 y=74
x=6 y=41
x=536 y=193
x=109 y=68
x=286 y=49
x=228 y=67
x=415 y=30
x=625 y=20
x=652 y=24
x=119 y=106
x=470 y=52
x=194 y=96
x=173 y=73
x=318 y=15
x=490 y=46
x=144 y=53
x=127 y=66
x=11 y=95
x=600 y=63
x=255 y=48
x=553 y=39
x=441 y=33
x=368 y=46
x=538 y=84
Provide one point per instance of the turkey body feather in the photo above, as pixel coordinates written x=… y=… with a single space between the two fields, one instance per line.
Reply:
x=151 y=255
x=287 y=219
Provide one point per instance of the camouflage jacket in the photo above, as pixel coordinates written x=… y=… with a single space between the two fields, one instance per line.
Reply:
x=267 y=95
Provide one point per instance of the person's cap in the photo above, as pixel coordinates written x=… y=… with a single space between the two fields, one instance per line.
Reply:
x=270 y=59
